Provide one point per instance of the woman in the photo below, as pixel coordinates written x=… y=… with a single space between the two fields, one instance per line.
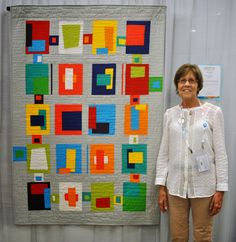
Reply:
x=192 y=166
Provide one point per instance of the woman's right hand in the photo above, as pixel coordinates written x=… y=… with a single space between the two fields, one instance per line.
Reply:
x=163 y=199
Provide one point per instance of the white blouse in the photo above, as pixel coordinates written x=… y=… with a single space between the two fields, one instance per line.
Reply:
x=185 y=132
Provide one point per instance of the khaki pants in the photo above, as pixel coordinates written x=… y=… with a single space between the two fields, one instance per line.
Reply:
x=179 y=209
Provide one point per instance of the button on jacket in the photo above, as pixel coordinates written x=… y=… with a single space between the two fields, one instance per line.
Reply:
x=185 y=132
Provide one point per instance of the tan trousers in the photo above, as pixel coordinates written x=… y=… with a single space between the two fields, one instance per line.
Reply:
x=179 y=209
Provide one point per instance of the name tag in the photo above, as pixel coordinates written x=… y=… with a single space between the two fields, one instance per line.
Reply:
x=202 y=160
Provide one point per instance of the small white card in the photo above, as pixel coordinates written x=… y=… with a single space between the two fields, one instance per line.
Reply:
x=133 y=139
x=202 y=160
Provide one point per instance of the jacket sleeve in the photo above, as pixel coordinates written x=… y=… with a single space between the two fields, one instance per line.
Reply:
x=221 y=160
x=163 y=155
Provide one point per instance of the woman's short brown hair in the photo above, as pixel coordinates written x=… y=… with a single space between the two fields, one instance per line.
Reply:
x=184 y=70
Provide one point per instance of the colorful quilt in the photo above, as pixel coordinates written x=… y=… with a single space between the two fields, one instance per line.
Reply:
x=87 y=109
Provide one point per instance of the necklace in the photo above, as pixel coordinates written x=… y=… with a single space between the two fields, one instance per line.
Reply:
x=198 y=102
x=182 y=119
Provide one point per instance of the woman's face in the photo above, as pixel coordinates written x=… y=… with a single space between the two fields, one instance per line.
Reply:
x=188 y=86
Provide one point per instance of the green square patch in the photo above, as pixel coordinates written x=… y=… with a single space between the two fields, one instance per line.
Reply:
x=121 y=41
x=71 y=35
x=137 y=59
x=155 y=84
x=37 y=79
x=19 y=153
x=55 y=198
x=134 y=195
x=86 y=196
x=102 y=197
x=40 y=85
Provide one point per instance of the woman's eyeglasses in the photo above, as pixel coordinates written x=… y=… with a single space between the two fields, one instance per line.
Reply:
x=190 y=81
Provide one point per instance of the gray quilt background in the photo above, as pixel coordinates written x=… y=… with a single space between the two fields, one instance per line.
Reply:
x=155 y=59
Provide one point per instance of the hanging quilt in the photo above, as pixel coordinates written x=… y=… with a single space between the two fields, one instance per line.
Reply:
x=87 y=108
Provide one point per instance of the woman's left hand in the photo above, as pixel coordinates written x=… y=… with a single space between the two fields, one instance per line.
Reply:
x=216 y=203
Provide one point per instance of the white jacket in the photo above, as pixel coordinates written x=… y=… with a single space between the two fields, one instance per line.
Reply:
x=186 y=130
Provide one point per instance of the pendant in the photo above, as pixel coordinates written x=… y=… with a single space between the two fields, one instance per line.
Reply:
x=181 y=121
